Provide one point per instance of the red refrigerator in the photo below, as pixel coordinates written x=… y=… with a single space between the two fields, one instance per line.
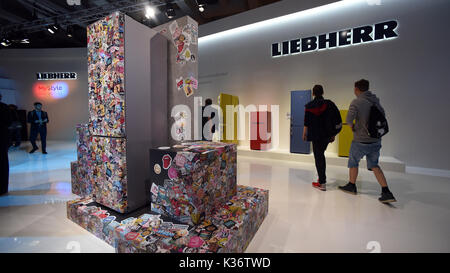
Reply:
x=260 y=130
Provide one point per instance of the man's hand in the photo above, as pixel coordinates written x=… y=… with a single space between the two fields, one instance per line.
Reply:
x=305 y=133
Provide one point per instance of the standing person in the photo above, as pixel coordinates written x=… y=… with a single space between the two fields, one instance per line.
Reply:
x=38 y=120
x=5 y=122
x=16 y=127
x=363 y=144
x=322 y=123
x=208 y=102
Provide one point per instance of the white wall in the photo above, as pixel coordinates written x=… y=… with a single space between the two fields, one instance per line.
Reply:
x=8 y=91
x=410 y=74
x=21 y=66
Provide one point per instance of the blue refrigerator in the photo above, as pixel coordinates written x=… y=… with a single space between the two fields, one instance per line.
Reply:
x=298 y=101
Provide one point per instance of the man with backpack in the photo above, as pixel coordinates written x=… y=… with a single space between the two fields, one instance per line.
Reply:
x=370 y=125
x=322 y=123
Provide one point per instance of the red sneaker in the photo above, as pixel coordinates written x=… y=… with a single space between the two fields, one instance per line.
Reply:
x=317 y=185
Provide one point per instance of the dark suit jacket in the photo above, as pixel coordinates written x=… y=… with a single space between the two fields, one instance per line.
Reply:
x=32 y=117
x=5 y=122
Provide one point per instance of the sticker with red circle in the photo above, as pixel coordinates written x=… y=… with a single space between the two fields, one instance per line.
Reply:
x=130 y=236
x=167 y=161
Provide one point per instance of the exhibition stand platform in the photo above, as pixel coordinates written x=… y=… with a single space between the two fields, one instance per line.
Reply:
x=229 y=230
x=137 y=194
x=386 y=163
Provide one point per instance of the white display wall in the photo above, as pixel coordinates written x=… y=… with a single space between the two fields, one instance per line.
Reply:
x=409 y=73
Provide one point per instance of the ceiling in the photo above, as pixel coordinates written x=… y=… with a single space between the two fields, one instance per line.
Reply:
x=25 y=23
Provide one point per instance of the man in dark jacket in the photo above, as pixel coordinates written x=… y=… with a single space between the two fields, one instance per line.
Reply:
x=5 y=122
x=15 y=130
x=38 y=120
x=322 y=123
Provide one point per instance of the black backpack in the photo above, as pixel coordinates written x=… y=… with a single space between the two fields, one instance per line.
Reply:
x=332 y=120
x=377 y=125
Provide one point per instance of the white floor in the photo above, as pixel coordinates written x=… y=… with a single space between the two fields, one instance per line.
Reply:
x=301 y=219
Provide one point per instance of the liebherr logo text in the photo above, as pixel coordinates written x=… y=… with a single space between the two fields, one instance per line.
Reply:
x=246 y=262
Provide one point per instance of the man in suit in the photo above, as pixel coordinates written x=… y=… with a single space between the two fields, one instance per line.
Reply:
x=38 y=120
x=5 y=122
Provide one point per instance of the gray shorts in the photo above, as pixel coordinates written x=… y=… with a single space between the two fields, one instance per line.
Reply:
x=358 y=150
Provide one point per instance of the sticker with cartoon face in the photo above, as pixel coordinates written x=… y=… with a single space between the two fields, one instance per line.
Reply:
x=157 y=168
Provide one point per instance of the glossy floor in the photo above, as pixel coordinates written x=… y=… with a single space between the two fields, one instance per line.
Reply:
x=301 y=219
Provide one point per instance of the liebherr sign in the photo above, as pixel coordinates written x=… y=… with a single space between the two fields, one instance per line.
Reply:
x=50 y=76
x=355 y=36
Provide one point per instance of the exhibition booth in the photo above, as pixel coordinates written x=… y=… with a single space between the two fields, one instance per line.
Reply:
x=132 y=100
x=127 y=172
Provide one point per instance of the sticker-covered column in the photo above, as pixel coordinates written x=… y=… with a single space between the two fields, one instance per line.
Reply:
x=182 y=74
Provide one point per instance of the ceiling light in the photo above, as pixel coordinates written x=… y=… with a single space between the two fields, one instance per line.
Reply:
x=50 y=30
x=170 y=11
x=25 y=41
x=149 y=12
x=69 y=31
x=285 y=19
x=201 y=8
x=5 y=42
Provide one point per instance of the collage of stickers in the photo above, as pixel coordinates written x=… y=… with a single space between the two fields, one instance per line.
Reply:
x=80 y=169
x=191 y=180
x=184 y=37
x=100 y=171
x=106 y=76
x=230 y=229
x=109 y=172
x=80 y=185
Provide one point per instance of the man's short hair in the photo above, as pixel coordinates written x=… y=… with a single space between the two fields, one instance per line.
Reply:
x=362 y=85
x=208 y=101
x=36 y=103
x=318 y=90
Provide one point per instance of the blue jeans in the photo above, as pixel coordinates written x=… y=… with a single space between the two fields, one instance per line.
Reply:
x=358 y=150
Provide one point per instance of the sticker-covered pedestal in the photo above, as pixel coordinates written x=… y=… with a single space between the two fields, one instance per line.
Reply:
x=230 y=229
x=189 y=182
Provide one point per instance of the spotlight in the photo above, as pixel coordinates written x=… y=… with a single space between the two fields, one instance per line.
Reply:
x=5 y=42
x=69 y=32
x=170 y=11
x=53 y=28
x=25 y=38
x=201 y=5
x=149 y=12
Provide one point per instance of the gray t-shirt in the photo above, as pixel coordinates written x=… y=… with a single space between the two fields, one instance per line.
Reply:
x=359 y=111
